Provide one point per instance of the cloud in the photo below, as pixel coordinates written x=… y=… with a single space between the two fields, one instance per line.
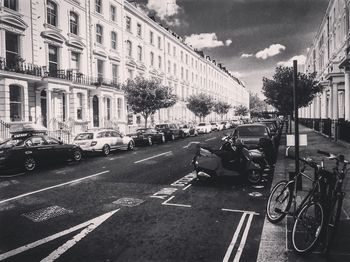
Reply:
x=205 y=40
x=236 y=74
x=246 y=55
x=166 y=10
x=270 y=51
x=300 y=58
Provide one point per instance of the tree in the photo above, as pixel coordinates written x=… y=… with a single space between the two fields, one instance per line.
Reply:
x=257 y=105
x=241 y=110
x=146 y=96
x=279 y=90
x=221 y=108
x=200 y=105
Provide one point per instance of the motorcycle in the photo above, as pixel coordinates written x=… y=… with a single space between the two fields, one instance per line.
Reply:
x=231 y=159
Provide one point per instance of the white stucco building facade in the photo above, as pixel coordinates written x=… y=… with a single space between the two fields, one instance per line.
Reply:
x=61 y=63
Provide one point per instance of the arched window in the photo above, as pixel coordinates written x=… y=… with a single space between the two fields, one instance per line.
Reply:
x=74 y=23
x=129 y=48
x=139 y=53
x=15 y=103
x=51 y=13
x=114 y=40
x=99 y=34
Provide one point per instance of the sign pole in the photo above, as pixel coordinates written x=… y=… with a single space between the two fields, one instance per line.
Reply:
x=296 y=126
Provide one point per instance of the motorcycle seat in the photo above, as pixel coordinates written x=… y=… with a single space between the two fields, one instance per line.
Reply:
x=256 y=153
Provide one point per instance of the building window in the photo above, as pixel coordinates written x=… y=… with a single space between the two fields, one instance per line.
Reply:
x=115 y=70
x=182 y=73
x=12 y=4
x=100 y=69
x=108 y=108
x=129 y=48
x=174 y=69
x=186 y=59
x=152 y=58
x=75 y=64
x=174 y=51
x=119 y=108
x=113 y=12
x=12 y=48
x=130 y=74
x=98 y=6
x=151 y=38
x=139 y=53
x=79 y=106
x=169 y=51
x=51 y=13
x=114 y=40
x=73 y=17
x=128 y=23
x=169 y=66
x=139 y=30
x=99 y=34
x=159 y=62
x=53 y=60
x=15 y=103
x=159 y=42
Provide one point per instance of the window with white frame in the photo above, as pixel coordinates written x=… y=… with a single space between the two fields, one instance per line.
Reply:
x=51 y=13
x=73 y=22
x=98 y=6
x=115 y=73
x=139 y=30
x=151 y=56
x=12 y=4
x=151 y=39
x=174 y=51
x=113 y=13
x=169 y=66
x=174 y=69
x=128 y=23
x=108 y=108
x=159 y=43
x=119 y=108
x=139 y=53
x=100 y=69
x=99 y=34
x=53 y=60
x=79 y=106
x=75 y=63
x=16 y=100
x=182 y=56
x=129 y=48
x=12 y=48
x=159 y=62
x=114 y=40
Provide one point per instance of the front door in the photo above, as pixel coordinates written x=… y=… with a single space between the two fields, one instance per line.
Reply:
x=95 y=113
x=43 y=105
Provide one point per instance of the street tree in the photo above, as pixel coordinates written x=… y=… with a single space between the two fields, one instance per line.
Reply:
x=257 y=105
x=241 y=110
x=200 y=105
x=279 y=90
x=221 y=108
x=146 y=96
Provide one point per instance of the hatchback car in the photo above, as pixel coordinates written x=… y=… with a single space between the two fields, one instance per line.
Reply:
x=171 y=131
x=103 y=141
x=189 y=130
x=215 y=126
x=204 y=128
x=147 y=136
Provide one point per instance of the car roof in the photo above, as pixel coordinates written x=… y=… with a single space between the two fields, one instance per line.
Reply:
x=97 y=131
x=247 y=125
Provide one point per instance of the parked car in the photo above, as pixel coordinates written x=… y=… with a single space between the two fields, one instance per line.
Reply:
x=235 y=123
x=147 y=136
x=27 y=150
x=189 y=130
x=214 y=126
x=203 y=128
x=256 y=136
x=171 y=131
x=226 y=124
x=103 y=141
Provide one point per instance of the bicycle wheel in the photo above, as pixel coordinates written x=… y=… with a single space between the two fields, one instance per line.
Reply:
x=279 y=202
x=307 y=228
x=333 y=220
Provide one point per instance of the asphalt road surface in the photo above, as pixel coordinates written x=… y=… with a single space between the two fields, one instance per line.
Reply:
x=143 y=205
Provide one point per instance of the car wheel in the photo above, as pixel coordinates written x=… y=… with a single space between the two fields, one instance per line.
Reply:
x=131 y=146
x=77 y=155
x=150 y=142
x=172 y=137
x=163 y=139
x=106 y=150
x=29 y=164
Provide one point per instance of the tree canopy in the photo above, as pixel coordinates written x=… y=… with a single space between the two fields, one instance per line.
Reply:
x=221 y=108
x=146 y=96
x=241 y=110
x=200 y=105
x=256 y=104
x=279 y=90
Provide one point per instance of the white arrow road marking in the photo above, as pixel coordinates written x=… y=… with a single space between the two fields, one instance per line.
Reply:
x=166 y=203
x=51 y=187
x=90 y=226
x=148 y=158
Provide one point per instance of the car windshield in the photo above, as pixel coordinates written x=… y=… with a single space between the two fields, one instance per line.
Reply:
x=142 y=130
x=84 y=136
x=161 y=126
x=12 y=142
x=202 y=124
x=252 y=131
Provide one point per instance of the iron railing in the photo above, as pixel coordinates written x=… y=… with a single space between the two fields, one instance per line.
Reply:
x=344 y=130
x=4 y=130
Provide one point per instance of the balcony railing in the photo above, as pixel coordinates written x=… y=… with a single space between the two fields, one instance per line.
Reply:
x=20 y=67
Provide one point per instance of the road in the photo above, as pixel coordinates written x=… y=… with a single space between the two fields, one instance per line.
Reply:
x=143 y=205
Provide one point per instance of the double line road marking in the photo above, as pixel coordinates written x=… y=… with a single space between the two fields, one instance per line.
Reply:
x=236 y=235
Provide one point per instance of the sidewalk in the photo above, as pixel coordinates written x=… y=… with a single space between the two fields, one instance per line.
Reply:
x=275 y=242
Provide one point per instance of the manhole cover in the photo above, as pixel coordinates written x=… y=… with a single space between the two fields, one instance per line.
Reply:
x=258 y=186
x=255 y=194
x=128 y=202
x=47 y=213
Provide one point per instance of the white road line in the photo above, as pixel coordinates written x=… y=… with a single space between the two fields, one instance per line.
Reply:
x=244 y=239
x=93 y=222
x=9 y=176
x=52 y=187
x=210 y=138
x=148 y=158
x=346 y=213
x=172 y=204
x=240 y=211
x=186 y=146
x=186 y=187
x=234 y=239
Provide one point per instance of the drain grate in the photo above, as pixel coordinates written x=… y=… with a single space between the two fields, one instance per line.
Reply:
x=128 y=202
x=47 y=213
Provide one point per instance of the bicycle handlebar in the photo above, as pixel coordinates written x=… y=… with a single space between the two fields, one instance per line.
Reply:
x=331 y=156
x=309 y=162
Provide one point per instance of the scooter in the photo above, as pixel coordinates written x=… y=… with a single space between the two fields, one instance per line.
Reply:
x=231 y=159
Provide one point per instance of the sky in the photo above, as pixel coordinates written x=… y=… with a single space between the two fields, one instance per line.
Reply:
x=250 y=37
